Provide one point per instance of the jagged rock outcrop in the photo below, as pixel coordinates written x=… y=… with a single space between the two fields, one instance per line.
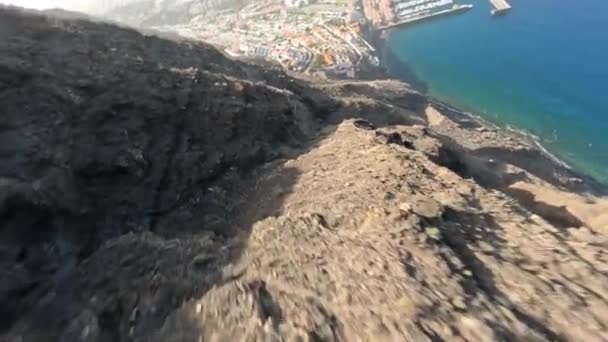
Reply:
x=154 y=190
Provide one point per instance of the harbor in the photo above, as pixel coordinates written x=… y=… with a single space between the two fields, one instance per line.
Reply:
x=500 y=7
x=387 y=14
x=426 y=16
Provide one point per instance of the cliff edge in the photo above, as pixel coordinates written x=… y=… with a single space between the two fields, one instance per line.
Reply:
x=154 y=190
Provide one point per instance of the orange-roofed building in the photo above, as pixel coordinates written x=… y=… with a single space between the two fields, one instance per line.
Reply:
x=328 y=58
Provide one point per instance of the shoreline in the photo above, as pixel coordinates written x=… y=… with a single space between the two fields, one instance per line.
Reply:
x=584 y=182
x=522 y=134
x=529 y=139
x=379 y=39
x=426 y=17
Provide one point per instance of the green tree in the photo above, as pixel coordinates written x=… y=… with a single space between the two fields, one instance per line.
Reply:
x=317 y=61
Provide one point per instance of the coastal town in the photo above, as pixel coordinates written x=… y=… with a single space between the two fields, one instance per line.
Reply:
x=331 y=38
x=326 y=37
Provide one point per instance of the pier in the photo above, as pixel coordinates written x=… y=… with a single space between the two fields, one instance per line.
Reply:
x=500 y=6
x=428 y=15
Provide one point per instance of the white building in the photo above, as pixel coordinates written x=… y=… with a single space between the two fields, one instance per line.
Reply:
x=296 y=3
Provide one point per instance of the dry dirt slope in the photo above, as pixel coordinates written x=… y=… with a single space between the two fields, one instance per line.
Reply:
x=155 y=191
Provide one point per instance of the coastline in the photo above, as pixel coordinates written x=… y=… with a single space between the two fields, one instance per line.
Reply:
x=530 y=140
x=379 y=39
x=430 y=16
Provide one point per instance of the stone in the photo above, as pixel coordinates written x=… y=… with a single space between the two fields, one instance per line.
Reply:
x=405 y=207
x=363 y=124
x=459 y=303
x=433 y=232
x=201 y=261
x=389 y=196
x=83 y=328
x=427 y=208
x=467 y=273
x=473 y=329
x=450 y=199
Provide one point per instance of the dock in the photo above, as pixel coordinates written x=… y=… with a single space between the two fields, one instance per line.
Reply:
x=426 y=16
x=500 y=6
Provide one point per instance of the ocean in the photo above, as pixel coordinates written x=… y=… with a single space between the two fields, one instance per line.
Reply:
x=542 y=68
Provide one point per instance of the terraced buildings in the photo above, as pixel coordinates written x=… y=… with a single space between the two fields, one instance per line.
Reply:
x=324 y=37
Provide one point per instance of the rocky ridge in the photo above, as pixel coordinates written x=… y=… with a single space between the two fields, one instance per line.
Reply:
x=154 y=190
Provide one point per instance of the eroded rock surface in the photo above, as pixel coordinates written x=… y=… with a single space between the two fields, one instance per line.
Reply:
x=153 y=190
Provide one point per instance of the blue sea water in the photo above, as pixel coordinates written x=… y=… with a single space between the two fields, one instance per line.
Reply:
x=542 y=68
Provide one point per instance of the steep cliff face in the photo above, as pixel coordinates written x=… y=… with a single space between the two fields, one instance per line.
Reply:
x=105 y=131
x=156 y=190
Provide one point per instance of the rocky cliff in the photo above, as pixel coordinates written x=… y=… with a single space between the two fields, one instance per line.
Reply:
x=154 y=190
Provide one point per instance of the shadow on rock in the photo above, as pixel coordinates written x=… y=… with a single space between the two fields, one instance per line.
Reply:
x=132 y=169
x=461 y=230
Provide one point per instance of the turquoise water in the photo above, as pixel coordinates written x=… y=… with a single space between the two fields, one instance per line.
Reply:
x=542 y=68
